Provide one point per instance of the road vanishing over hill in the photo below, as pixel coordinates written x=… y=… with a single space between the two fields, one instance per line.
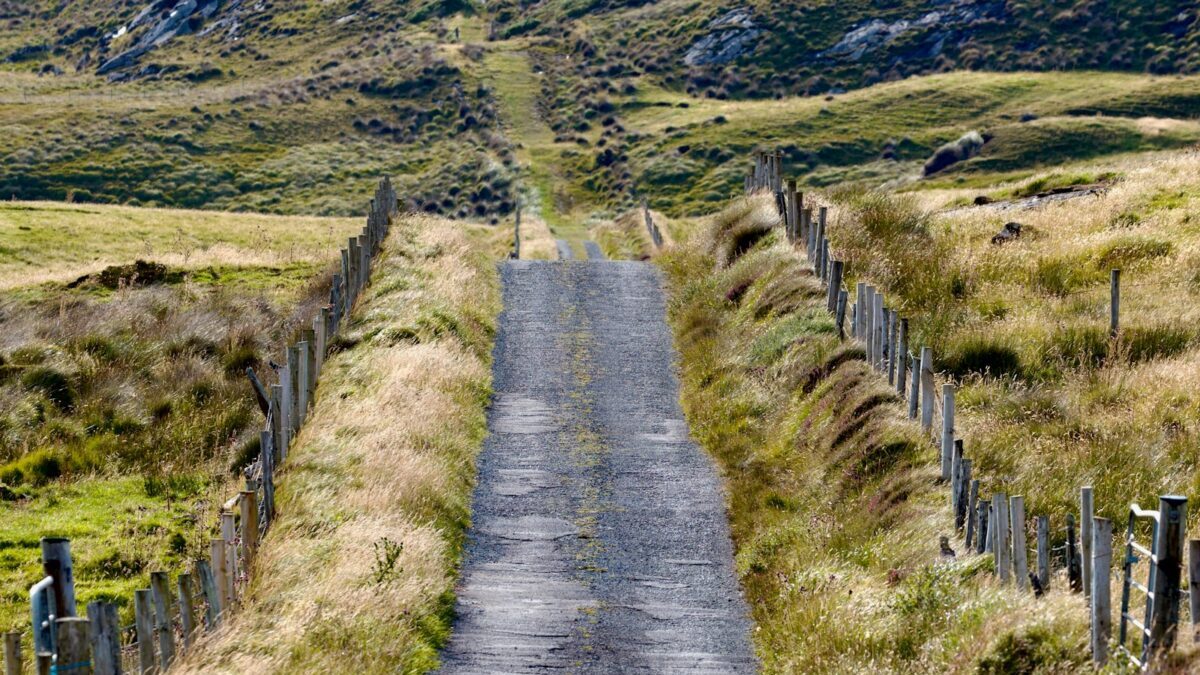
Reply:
x=599 y=540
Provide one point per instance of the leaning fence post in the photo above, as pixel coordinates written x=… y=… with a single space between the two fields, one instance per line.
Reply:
x=1000 y=530
x=160 y=594
x=927 y=389
x=143 y=615
x=1085 y=537
x=947 y=431
x=249 y=506
x=1101 y=595
x=1114 y=313
x=1043 y=552
x=74 y=643
x=1168 y=569
x=56 y=561
x=12 y=653
x=1020 y=550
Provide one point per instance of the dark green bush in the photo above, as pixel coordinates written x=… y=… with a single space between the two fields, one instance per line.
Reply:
x=54 y=384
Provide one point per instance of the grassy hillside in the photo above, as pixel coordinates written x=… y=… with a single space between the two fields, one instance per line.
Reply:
x=385 y=463
x=125 y=413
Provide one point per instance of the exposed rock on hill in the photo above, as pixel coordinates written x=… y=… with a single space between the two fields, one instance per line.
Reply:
x=161 y=21
x=932 y=30
x=729 y=36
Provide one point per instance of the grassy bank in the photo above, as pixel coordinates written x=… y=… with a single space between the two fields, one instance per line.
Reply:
x=374 y=500
x=835 y=512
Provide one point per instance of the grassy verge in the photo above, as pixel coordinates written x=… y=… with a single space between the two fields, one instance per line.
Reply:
x=833 y=503
x=374 y=500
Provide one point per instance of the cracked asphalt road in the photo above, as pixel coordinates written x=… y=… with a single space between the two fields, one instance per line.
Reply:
x=599 y=541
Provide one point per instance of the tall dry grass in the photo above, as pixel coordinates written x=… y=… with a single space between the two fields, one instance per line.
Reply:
x=385 y=463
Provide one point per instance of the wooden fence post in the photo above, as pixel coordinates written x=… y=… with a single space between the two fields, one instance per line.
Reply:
x=947 y=431
x=1043 y=552
x=285 y=409
x=972 y=520
x=74 y=642
x=1000 y=530
x=877 y=339
x=293 y=395
x=1085 y=537
x=1168 y=573
x=143 y=613
x=187 y=608
x=220 y=570
x=835 y=285
x=892 y=351
x=1074 y=580
x=249 y=507
x=1020 y=549
x=56 y=562
x=321 y=329
x=229 y=535
x=989 y=531
x=902 y=358
x=517 y=235
x=792 y=210
x=12 y=653
x=1101 y=565
x=859 y=300
x=160 y=594
x=867 y=309
x=927 y=389
x=914 y=391
x=268 y=466
x=840 y=313
x=962 y=507
x=1114 y=313
x=208 y=586
x=1194 y=587
x=302 y=383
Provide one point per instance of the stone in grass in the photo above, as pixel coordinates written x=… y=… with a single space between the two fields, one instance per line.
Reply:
x=1011 y=232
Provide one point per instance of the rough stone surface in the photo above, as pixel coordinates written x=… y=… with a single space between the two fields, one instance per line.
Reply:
x=729 y=36
x=599 y=540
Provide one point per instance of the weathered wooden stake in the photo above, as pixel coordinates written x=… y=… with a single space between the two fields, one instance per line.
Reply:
x=1085 y=537
x=209 y=586
x=1168 y=573
x=927 y=389
x=56 y=562
x=74 y=642
x=1114 y=314
x=859 y=302
x=220 y=570
x=229 y=534
x=914 y=392
x=302 y=383
x=143 y=613
x=1194 y=587
x=972 y=520
x=1000 y=530
x=267 y=455
x=835 y=285
x=962 y=506
x=187 y=608
x=160 y=594
x=1043 y=552
x=947 y=431
x=867 y=309
x=1074 y=580
x=12 y=653
x=880 y=332
x=989 y=540
x=892 y=351
x=840 y=316
x=1020 y=549
x=1101 y=564
x=249 y=515
x=902 y=358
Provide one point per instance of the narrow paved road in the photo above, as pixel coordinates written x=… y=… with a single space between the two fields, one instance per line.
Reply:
x=599 y=540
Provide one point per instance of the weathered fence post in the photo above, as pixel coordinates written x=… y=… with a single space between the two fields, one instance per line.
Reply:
x=74 y=643
x=982 y=528
x=1194 y=587
x=972 y=508
x=187 y=608
x=914 y=392
x=1114 y=313
x=208 y=586
x=160 y=593
x=1168 y=573
x=1020 y=550
x=143 y=614
x=947 y=431
x=517 y=235
x=229 y=535
x=1000 y=531
x=1101 y=565
x=220 y=571
x=301 y=383
x=961 y=505
x=1074 y=580
x=106 y=638
x=1043 y=552
x=892 y=352
x=268 y=467
x=989 y=545
x=56 y=562
x=879 y=332
x=835 y=285
x=1085 y=537
x=840 y=314
x=249 y=514
x=902 y=358
x=12 y=653
x=927 y=389
x=293 y=395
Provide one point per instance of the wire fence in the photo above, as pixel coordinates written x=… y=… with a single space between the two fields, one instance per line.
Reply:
x=170 y=617
x=997 y=525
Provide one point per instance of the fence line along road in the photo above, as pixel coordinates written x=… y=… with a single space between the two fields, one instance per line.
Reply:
x=997 y=524
x=168 y=617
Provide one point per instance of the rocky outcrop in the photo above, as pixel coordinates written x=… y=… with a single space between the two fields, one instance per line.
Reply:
x=938 y=26
x=961 y=150
x=161 y=21
x=729 y=37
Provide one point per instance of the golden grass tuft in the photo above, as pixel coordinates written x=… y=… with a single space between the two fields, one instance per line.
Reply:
x=387 y=454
